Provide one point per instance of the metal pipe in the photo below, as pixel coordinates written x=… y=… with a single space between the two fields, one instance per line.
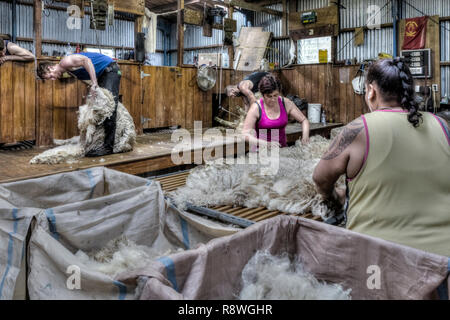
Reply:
x=220 y=215
x=14 y=22
x=395 y=15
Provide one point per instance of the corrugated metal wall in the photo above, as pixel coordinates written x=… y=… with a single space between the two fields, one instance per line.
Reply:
x=193 y=37
x=54 y=27
x=427 y=7
x=375 y=41
x=445 y=57
x=358 y=12
x=5 y=17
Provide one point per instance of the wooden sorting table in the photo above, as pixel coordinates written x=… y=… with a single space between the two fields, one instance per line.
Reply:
x=174 y=181
x=152 y=152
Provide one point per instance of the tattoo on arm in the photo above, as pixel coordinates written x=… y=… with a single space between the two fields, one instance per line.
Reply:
x=344 y=139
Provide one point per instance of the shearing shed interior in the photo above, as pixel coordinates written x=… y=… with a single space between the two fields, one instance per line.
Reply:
x=224 y=150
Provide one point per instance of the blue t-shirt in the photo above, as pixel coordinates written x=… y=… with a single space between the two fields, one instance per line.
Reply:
x=100 y=62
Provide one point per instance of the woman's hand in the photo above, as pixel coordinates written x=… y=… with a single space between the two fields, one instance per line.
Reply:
x=305 y=139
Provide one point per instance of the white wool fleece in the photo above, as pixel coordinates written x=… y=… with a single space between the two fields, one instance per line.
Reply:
x=290 y=190
x=266 y=277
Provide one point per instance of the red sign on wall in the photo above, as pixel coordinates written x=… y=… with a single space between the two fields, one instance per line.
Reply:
x=415 y=33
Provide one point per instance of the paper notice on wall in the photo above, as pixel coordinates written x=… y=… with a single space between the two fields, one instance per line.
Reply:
x=323 y=56
x=308 y=49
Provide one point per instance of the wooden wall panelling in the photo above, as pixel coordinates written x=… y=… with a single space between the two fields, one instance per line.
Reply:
x=30 y=102
x=350 y=101
x=322 y=88
x=45 y=112
x=136 y=97
x=19 y=100
x=172 y=95
x=6 y=103
x=308 y=83
x=159 y=98
x=59 y=109
x=300 y=75
x=315 y=84
x=72 y=106
x=131 y=90
x=336 y=95
x=180 y=89
x=189 y=84
x=342 y=80
x=198 y=104
x=148 y=100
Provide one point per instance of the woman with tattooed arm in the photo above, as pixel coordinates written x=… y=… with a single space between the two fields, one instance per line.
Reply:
x=397 y=163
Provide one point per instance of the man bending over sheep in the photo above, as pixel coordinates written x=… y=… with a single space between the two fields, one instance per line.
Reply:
x=93 y=66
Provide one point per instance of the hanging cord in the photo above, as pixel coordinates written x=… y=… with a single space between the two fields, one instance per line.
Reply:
x=95 y=25
x=362 y=29
x=221 y=65
x=423 y=14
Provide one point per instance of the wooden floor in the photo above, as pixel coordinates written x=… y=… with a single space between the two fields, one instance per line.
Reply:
x=152 y=152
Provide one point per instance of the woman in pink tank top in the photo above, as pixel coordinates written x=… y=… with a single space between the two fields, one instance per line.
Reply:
x=267 y=118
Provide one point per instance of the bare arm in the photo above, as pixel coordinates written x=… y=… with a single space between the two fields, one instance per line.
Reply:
x=17 y=54
x=244 y=87
x=345 y=155
x=76 y=61
x=248 y=130
x=293 y=111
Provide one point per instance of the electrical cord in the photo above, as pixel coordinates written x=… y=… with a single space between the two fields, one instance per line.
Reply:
x=362 y=29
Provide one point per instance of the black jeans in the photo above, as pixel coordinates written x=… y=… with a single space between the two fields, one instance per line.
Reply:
x=110 y=79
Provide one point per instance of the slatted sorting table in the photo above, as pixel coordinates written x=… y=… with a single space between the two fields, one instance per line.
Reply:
x=173 y=181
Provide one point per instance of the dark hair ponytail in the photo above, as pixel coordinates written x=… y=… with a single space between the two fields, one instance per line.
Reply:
x=396 y=83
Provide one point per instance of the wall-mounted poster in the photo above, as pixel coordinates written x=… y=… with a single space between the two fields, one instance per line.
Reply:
x=308 y=50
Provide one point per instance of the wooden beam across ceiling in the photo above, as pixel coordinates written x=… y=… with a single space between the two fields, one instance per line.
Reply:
x=227 y=3
x=173 y=6
x=252 y=7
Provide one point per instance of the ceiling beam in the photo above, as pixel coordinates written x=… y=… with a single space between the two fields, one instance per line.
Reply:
x=173 y=6
x=226 y=3
x=253 y=7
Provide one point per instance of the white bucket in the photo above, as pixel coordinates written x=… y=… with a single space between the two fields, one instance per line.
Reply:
x=314 y=110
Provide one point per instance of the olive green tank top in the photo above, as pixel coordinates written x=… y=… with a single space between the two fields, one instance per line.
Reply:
x=402 y=192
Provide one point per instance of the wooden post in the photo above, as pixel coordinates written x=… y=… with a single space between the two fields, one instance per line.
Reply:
x=292 y=6
x=38 y=27
x=284 y=19
x=137 y=28
x=180 y=33
x=231 y=48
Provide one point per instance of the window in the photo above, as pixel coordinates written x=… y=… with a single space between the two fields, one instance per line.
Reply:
x=314 y=50
x=106 y=52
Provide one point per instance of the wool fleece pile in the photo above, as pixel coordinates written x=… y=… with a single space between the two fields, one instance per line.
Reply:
x=267 y=277
x=91 y=117
x=290 y=190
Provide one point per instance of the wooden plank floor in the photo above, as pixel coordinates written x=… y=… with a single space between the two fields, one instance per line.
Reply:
x=176 y=180
x=152 y=152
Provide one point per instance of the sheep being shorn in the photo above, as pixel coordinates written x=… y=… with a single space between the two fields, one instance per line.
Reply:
x=266 y=277
x=92 y=134
x=290 y=190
